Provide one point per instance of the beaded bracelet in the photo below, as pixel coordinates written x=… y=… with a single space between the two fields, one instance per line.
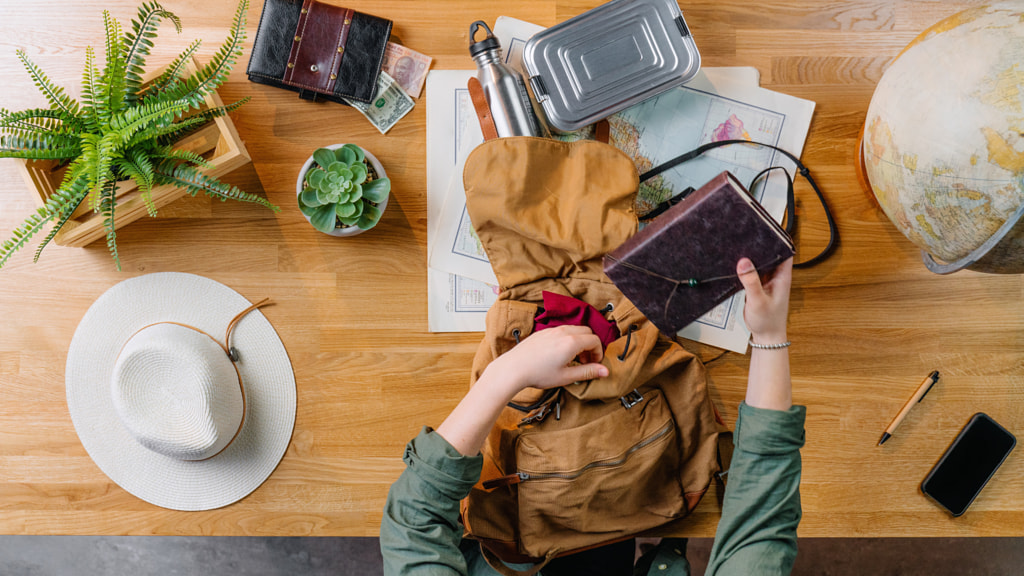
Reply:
x=778 y=346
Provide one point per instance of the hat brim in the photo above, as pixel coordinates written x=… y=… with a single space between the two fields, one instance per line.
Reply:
x=263 y=364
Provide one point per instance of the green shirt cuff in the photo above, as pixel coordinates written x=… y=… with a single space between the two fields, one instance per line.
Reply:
x=430 y=457
x=762 y=431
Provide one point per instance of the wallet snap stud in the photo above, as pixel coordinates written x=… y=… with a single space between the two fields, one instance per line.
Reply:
x=298 y=38
x=313 y=68
x=334 y=76
x=291 y=65
x=341 y=49
x=347 y=21
x=304 y=10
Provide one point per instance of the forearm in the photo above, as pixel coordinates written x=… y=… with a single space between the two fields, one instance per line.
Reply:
x=467 y=426
x=768 y=383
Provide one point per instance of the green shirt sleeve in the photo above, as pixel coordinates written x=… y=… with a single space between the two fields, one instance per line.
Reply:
x=420 y=532
x=757 y=532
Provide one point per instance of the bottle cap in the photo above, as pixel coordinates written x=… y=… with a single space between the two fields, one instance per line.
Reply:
x=488 y=43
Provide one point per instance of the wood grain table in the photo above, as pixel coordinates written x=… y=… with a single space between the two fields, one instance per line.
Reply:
x=867 y=325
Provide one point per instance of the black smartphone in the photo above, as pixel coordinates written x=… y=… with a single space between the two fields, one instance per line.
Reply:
x=968 y=463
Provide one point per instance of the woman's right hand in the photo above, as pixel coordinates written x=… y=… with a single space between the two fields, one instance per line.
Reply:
x=545 y=359
x=767 y=306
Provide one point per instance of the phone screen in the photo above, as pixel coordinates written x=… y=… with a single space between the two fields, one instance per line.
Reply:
x=968 y=463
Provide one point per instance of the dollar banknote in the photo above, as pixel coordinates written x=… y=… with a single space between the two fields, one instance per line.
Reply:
x=389 y=105
x=408 y=67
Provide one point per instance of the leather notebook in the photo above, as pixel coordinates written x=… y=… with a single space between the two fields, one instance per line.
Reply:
x=321 y=51
x=683 y=264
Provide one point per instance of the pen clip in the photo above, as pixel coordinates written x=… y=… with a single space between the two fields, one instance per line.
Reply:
x=935 y=378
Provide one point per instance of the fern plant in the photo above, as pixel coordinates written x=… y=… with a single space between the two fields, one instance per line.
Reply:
x=121 y=129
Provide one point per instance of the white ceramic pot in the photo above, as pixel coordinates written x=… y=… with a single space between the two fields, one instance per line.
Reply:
x=351 y=230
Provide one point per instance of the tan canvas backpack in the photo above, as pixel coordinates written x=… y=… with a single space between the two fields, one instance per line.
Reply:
x=597 y=461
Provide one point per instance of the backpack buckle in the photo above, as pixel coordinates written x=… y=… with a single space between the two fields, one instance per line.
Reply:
x=631 y=399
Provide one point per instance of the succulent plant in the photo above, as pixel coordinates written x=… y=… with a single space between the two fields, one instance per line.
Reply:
x=342 y=187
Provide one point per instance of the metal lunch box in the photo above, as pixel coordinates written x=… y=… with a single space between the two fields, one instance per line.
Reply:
x=609 y=58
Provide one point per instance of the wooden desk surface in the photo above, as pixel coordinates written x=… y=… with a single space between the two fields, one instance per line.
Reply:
x=867 y=326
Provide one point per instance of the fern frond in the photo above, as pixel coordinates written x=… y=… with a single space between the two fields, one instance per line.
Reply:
x=137 y=118
x=194 y=182
x=73 y=172
x=171 y=134
x=77 y=190
x=89 y=88
x=32 y=120
x=108 y=201
x=138 y=43
x=217 y=69
x=56 y=205
x=178 y=155
x=53 y=93
x=141 y=177
x=173 y=70
x=37 y=146
x=113 y=79
x=36 y=140
x=40 y=114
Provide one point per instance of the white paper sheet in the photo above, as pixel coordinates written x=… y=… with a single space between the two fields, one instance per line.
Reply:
x=454 y=303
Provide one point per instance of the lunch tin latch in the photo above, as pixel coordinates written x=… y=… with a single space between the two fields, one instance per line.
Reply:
x=540 y=91
x=682 y=26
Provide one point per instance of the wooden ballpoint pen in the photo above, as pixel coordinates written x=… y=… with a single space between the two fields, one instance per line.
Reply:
x=919 y=395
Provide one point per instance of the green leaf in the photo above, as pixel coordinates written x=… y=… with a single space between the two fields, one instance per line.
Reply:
x=358 y=173
x=57 y=204
x=346 y=210
x=323 y=218
x=308 y=210
x=377 y=190
x=137 y=44
x=356 y=150
x=193 y=182
x=107 y=205
x=314 y=177
x=325 y=197
x=53 y=93
x=345 y=154
x=324 y=157
x=360 y=206
x=309 y=198
x=215 y=72
x=369 y=218
x=113 y=78
x=338 y=168
x=173 y=71
x=77 y=189
x=356 y=194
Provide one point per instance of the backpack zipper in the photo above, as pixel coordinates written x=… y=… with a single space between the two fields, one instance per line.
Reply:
x=521 y=476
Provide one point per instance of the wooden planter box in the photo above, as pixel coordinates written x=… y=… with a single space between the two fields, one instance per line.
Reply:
x=217 y=141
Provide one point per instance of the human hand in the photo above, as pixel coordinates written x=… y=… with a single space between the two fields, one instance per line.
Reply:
x=767 y=303
x=542 y=359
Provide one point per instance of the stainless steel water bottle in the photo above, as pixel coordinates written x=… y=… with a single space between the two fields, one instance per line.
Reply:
x=503 y=87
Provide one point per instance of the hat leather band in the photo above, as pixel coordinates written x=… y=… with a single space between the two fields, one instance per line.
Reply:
x=231 y=352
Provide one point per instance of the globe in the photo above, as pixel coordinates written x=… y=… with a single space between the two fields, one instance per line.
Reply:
x=943 y=143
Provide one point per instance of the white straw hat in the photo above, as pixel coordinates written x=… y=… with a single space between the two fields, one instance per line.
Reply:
x=159 y=403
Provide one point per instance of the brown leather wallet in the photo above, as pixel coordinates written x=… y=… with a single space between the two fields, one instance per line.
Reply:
x=319 y=50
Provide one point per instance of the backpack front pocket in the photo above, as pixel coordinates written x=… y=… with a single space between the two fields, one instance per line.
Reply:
x=612 y=477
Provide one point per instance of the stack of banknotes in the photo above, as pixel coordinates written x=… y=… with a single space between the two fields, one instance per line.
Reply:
x=401 y=80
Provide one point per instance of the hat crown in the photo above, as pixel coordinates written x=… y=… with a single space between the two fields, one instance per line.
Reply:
x=177 y=392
